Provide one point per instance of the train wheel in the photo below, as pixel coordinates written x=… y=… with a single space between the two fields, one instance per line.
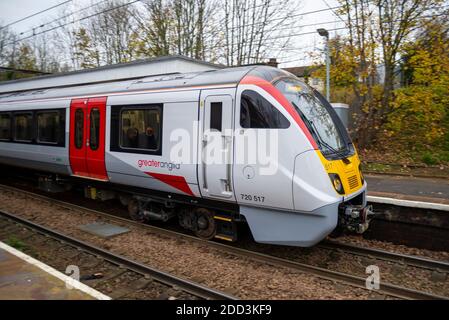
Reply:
x=134 y=211
x=207 y=227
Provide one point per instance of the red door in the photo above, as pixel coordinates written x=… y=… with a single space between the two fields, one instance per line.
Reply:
x=78 y=137
x=87 y=138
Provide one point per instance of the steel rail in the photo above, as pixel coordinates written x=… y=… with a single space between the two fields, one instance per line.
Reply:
x=188 y=286
x=385 y=288
x=411 y=260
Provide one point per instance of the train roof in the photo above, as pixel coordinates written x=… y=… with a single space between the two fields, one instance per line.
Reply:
x=223 y=77
x=132 y=77
x=121 y=71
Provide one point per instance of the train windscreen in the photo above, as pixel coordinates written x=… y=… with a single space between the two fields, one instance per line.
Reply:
x=315 y=115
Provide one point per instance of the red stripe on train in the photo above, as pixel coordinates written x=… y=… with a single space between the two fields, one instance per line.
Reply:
x=275 y=93
x=177 y=182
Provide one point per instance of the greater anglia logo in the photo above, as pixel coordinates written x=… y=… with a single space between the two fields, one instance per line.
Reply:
x=158 y=164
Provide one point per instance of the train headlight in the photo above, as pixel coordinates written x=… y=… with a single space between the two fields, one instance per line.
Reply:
x=336 y=182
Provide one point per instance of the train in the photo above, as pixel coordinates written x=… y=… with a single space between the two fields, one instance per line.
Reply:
x=214 y=149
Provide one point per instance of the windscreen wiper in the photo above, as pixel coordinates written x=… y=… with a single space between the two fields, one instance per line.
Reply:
x=339 y=153
x=307 y=122
x=311 y=126
x=324 y=143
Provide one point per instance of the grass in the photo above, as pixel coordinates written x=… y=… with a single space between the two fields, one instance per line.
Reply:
x=429 y=159
x=16 y=243
x=377 y=167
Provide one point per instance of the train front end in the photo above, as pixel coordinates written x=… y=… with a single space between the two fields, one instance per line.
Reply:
x=334 y=149
x=328 y=188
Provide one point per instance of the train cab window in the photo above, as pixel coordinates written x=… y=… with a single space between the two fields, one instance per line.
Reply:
x=23 y=127
x=94 y=129
x=140 y=129
x=258 y=113
x=79 y=128
x=5 y=126
x=216 y=110
x=48 y=126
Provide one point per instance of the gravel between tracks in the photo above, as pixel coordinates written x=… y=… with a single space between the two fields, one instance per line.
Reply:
x=198 y=262
x=383 y=245
x=399 y=274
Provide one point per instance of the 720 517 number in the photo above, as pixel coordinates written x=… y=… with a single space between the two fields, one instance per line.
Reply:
x=255 y=198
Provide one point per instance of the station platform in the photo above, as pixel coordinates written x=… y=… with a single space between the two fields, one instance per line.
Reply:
x=25 y=278
x=420 y=191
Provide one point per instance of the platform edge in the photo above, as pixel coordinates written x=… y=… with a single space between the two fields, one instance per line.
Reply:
x=55 y=273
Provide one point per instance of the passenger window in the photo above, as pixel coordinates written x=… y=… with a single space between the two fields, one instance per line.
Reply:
x=94 y=129
x=23 y=124
x=216 y=110
x=48 y=126
x=140 y=129
x=257 y=112
x=5 y=127
x=79 y=128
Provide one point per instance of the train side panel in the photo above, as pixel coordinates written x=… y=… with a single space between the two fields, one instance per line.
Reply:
x=176 y=173
x=49 y=158
x=216 y=143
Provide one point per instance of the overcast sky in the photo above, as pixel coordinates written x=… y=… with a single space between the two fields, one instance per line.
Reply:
x=12 y=10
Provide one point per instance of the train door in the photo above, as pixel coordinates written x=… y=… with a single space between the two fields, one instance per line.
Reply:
x=87 y=138
x=216 y=147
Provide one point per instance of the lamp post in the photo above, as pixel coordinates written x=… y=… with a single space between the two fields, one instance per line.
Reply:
x=324 y=33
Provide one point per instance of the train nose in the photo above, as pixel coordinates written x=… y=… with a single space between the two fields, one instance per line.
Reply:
x=312 y=188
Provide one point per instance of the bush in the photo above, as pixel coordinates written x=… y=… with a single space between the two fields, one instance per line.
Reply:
x=429 y=159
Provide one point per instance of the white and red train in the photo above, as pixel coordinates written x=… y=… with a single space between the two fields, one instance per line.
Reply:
x=122 y=139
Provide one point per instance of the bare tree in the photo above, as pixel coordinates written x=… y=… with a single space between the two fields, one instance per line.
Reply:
x=6 y=38
x=362 y=46
x=45 y=53
x=253 y=28
x=155 y=24
x=112 y=29
x=184 y=27
x=231 y=31
x=86 y=52
x=63 y=40
x=191 y=18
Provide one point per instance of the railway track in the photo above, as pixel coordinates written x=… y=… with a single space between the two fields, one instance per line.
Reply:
x=415 y=261
x=386 y=289
x=139 y=274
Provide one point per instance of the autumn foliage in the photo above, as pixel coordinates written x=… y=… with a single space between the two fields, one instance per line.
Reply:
x=419 y=120
x=392 y=68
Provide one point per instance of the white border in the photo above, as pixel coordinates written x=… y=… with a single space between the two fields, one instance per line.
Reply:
x=409 y=203
x=55 y=273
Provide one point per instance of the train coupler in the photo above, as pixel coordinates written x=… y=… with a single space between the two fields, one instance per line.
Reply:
x=356 y=218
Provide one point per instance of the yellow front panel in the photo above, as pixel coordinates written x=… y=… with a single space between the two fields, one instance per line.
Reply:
x=347 y=169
